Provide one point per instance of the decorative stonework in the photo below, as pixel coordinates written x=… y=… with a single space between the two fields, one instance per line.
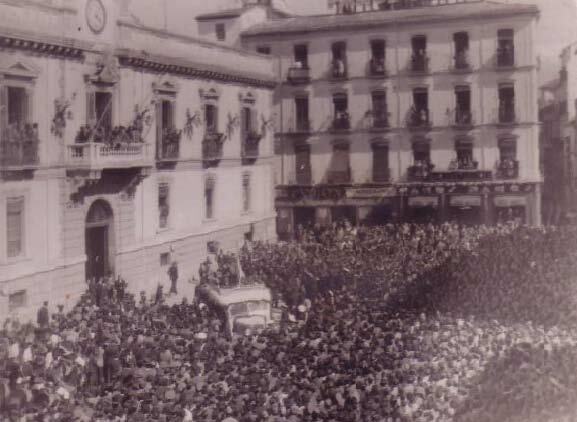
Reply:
x=40 y=47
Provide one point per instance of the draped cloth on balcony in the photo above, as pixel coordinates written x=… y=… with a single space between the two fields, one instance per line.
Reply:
x=509 y=201
x=423 y=201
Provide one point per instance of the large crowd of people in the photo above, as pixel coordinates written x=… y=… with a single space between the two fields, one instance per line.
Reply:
x=393 y=323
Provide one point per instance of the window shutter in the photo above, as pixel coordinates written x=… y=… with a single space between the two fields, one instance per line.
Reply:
x=91 y=108
x=14 y=225
x=3 y=112
x=27 y=103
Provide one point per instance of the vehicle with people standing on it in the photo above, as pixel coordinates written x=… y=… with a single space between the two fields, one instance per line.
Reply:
x=244 y=310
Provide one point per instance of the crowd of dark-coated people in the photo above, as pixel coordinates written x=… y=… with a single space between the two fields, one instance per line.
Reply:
x=350 y=345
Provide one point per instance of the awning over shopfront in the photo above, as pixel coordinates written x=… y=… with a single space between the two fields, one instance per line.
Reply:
x=510 y=201
x=465 y=201
x=423 y=201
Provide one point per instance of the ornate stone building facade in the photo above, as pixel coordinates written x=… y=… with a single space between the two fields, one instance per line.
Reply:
x=123 y=148
x=425 y=112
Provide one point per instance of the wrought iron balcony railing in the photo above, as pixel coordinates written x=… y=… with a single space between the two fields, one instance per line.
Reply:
x=341 y=122
x=381 y=174
x=212 y=146
x=339 y=177
x=170 y=144
x=420 y=171
x=250 y=146
x=419 y=119
x=298 y=75
x=377 y=68
x=419 y=63
x=505 y=57
x=507 y=115
x=461 y=61
x=507 y=169
x=19 y=146
x=463 y=118
x=339 y=69
x=379 y=120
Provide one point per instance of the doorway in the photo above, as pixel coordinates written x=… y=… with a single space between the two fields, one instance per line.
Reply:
x=98 y=237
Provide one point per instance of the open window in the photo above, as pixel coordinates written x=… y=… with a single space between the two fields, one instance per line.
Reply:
x=461 y=46
x=508 y=165
x=339 y=57
x=341 y=111
x=301 y=56
x=505 y=48
x=380 y=161
x=378 y=57
x=420 y=60
x=464 y=152
x=463 y=105
x=339 y=171
x=419 y=113
x=303 y=164
x=379 y=110
x=302 y=113
x=506 y=103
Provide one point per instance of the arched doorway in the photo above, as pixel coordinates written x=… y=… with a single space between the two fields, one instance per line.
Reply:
x=98 y=240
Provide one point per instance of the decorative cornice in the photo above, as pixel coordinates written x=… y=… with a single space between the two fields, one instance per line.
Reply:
x=178 y=67
x=41 y=47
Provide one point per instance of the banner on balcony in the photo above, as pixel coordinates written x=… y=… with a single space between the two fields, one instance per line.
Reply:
x=423 y=201
x=465 y=201
x=510 y=201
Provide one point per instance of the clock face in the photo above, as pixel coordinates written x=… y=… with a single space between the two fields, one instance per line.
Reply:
x=95 y=15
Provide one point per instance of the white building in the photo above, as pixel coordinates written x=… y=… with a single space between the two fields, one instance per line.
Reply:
x=123 y=147
x=425 y=112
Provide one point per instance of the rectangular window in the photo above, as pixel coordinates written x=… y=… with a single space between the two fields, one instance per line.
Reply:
x=463 y=105
x=341 y=106
x=103 y=108
x=301 y=55
x=246 y=193
x=302 y=113
x=220 y=30
x=505 y=47
x=167 y=114
x=380 y=117
x=419 y=47
x=380 y=163
x=163 y=205
x=248 y=124
x=263 y=49
x=209 y=199
x=340 y=164
x=164 y=259
x=507 y=149
x=420 y=112
x=464 y=150
x=506 y=103
x=461 y=43
x=303 y=164
x=422 y=152
x=17 y=105
x=17 y=300
x=15 y=227
x=378 y=49
x=211 y=118
x=339 y=50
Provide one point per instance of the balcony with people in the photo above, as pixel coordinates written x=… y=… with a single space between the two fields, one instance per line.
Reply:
x=507 y=168
x=213 y=140
x=461 y=61
x=377 y=68
x=299 y=72
x=341 y=119
x=101 y=147
x=338 y=69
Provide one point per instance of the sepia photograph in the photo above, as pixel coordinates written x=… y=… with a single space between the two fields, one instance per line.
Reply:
x=288 y=210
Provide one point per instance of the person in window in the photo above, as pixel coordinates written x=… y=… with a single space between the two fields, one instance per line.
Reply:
x=339 y=67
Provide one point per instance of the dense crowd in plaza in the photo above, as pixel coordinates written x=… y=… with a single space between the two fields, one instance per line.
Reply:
x=395 y=323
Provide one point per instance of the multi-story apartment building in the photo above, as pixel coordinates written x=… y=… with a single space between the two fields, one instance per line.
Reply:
x=123 y=148
x=557 y=113
x=425 y=113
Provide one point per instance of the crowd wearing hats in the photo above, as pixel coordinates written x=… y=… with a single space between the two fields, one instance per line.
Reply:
x=395 y=323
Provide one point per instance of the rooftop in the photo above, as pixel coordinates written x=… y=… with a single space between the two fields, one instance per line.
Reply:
x=432 y=13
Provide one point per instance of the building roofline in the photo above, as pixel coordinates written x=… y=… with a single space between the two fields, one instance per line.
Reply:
x=305 y=24
x=185 y=38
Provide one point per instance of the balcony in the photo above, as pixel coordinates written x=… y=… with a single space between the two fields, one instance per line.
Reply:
x=304 y=176
x=99 y=149
x=463 y=118
x=19 y=148
x=381 y=175
x=212 y=147
x=507 y=115
x=342 y=122
x=339 y=177
x=507 y=169
x=419 y=119
x=338 y=70
x=250 y=147
x=419 y=63
x=420 y=171
x=461 y=62
x=505 y=57
x=379 y=120
x=170 y=145
x=461 y=171
x=377 y=68
x=299 y=75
